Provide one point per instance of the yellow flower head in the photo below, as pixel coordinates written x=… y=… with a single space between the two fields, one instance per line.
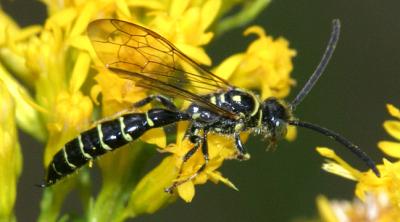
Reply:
x=270 y=62
x=378 y=195
x=367 y=181
x=56 y=72
x=266 y=65
x=376 y=207
x=71 y=115
x=58 y=63
x=392 y=127
x=219 y=147
x=10 y=155
x=369 y=188
x=188 y=34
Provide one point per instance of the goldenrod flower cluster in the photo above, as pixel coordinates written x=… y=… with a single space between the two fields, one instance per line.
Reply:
x=64 y=89
x=377 y=199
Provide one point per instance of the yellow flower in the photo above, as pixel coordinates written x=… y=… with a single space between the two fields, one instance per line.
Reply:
x=10 y=155
x=71 y=116
x=149 y=195
x=376 y=207
x=11 y=49
x=380 y=195
x=188 y=34
x=59 y=77
x=57 y=73
x=369 y=189
x=271 y=62
x=27 y=117
x=265 y=66
x=55 y=61
x=118 y=95
x=220 y=148
x=267 y=61
x=393 y=128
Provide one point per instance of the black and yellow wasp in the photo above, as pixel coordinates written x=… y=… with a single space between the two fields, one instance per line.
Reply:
x=139 y=54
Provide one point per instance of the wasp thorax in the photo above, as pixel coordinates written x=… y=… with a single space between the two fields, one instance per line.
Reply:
x=275 y=117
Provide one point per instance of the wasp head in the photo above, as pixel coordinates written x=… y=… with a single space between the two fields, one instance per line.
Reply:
x=275 y=115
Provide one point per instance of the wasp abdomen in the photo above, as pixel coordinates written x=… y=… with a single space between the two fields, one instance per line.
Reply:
x=105 y=137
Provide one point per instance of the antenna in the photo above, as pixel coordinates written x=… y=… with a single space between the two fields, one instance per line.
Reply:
x=321 y=66
x=340 y=139
x=310 y=84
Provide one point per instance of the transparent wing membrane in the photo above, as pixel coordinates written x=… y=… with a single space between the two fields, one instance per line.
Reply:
x=139 y=54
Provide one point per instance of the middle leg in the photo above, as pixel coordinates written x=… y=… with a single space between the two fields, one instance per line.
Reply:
x=242 y=152
x=204 y=149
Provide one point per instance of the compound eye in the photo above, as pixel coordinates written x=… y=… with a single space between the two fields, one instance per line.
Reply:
x=280 y=128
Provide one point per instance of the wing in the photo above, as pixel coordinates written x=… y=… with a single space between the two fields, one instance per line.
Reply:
x=139 y=54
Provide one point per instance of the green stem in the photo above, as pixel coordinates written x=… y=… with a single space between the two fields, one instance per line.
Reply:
x=52 y=200
x=121 y=173
x=248 y=13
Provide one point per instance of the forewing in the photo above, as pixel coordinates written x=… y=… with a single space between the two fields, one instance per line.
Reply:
x=139 y=54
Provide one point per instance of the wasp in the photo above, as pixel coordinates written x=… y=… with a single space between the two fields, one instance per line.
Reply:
x=136 y=53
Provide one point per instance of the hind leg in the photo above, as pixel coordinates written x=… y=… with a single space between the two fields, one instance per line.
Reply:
x=165 y=101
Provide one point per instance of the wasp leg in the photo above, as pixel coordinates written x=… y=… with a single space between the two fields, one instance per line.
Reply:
x=197 y=141
x=204 y=150
x=191 y=133
x=165 y=101
x=272 y=144
x=112 y=117
x=242 y=152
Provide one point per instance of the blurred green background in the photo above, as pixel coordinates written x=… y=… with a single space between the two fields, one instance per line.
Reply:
x=350 y=98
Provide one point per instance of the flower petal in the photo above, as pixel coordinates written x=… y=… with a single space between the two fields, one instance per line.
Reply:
x=84 y=16
x=390 y=148
x=216 y=177
x=10 y=154
x=329 y=153
x=228 y=66
x=393 y=128
x=178 y=7
x=325 y=210
x=198 y=54
x=27 y=110
x=291 y=133
x=255 y=29
x=209 y=12
x=393 y=110
x=123 y=8
x=155 y=136
x=186 y=191
x=149 y=195
x=80 y=71
x=94 y=93
x=62 y=18
x=337 y=169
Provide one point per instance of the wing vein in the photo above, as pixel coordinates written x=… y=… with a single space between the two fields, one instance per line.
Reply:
x=139 y=54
